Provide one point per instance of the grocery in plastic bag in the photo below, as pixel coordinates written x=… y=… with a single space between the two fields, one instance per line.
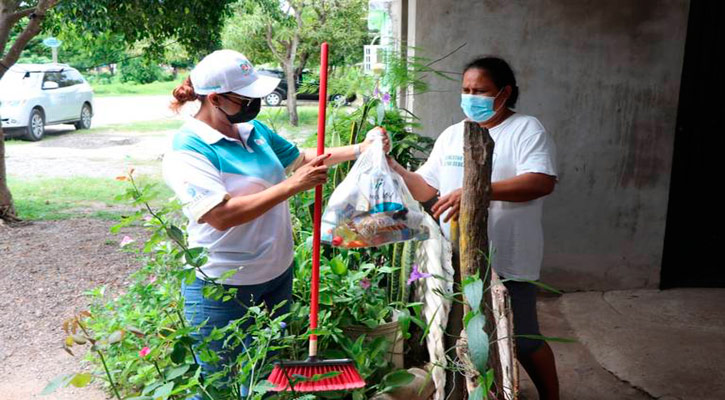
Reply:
x=372 y=206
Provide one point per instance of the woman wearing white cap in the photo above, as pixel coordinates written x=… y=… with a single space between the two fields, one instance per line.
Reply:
x=228 y=170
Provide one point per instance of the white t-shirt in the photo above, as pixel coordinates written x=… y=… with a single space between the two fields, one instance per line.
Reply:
x=522 y=145
x=204 y=168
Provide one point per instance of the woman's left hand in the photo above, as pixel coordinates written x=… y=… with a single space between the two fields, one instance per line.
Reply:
x=372 y=135
x=450 y=201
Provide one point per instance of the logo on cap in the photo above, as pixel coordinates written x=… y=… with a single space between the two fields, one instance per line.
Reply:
x=246 y=67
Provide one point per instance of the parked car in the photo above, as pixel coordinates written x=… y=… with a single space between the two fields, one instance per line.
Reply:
x=35 y=95
x=280 y=93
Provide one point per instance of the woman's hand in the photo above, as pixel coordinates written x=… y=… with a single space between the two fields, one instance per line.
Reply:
x=450 y=201
x=372 y=135
x=309 y=175
x=395 y=166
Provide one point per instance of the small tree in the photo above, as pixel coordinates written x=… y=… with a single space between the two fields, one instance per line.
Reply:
x=195 y=23
x=291 y=32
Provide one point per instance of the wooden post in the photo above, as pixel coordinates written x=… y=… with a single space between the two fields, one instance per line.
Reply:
x=474 y=243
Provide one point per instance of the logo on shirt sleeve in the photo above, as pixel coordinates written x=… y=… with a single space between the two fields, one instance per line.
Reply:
x=194 y=192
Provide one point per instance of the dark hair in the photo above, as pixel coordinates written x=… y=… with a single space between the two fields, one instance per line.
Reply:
x=501 y=74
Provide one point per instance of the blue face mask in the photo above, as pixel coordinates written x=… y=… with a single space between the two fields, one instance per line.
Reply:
x=478 y=108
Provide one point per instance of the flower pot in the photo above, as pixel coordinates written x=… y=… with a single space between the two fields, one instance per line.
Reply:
x=390 y=331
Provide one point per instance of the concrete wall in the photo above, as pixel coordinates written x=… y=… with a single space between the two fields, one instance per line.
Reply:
x=603 y=77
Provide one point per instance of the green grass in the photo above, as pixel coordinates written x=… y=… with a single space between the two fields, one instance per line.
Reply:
x=166 y=124
x=63 y=198
x=133 y=89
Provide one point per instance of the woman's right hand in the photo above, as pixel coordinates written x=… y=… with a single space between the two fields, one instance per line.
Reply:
x=309 y=175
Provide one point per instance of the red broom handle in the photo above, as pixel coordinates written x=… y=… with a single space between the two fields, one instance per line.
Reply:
x=318 y=202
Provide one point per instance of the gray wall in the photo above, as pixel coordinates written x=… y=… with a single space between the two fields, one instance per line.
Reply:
x=603 y=77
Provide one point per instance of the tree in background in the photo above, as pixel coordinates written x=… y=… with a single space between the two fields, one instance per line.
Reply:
x=290 y=33
x=196 y=24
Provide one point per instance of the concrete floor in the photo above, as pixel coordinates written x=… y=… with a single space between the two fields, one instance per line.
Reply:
x=637 y=344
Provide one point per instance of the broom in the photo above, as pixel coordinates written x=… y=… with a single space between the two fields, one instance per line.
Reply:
x=285 y=373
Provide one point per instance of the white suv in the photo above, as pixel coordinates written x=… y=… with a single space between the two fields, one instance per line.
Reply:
x=35 y=95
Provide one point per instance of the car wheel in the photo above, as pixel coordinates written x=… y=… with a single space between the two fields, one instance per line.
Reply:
x=86 y=115
x=273 y=99
x=36 y=126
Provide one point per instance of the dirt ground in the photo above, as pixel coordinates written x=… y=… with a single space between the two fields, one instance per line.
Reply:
x=46 y=268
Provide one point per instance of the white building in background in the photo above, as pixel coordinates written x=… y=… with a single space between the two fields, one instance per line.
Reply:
x=372 y=55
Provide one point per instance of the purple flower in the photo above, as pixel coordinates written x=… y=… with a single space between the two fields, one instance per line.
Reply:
x=365 y=283
x=282 y=324
x=376 y=92
x=386 y=98
x=415 y=274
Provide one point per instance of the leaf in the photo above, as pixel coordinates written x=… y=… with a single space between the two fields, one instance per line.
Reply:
x=380 y=111
x=473 y=290
x=164 y=391
x=175 y=234
x=115 y=337
x=488 y=379
x=397 y=378
x=177 y=372
x=478 y=342
x=325 y=299
x=319 y=377
x=178 y=355
x=477 y=393
x=135 y=331
x=81 y=380
x=79 y=339
x=338 y=266
x=263 y=387
x=57 y=382
x=404 y=322
x=149 y=388
x=69 y=341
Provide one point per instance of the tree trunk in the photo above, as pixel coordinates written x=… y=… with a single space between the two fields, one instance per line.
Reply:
x=474 y=243
x=289 y=72
x=7 y=209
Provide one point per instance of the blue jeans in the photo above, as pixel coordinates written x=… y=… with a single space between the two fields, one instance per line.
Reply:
x=218 y=314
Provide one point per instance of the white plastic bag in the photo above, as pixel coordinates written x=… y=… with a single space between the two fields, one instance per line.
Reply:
x=372 y=206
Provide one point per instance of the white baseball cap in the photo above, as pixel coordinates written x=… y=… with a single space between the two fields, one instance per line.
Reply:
x=225 y=71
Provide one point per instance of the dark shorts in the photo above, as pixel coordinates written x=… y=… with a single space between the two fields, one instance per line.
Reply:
x=523 y=305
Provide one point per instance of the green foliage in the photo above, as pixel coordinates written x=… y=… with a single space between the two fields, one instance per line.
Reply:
x=195 y=24
x=141 y=343
x=139 y=70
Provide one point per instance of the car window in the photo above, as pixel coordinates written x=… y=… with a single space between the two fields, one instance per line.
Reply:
x=68 y=79
x=53 y=76
x=77 y=77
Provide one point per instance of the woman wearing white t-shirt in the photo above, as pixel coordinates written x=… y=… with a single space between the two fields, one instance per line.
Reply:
x=523 y=173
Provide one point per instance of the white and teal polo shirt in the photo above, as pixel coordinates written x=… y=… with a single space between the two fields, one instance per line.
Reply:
x=205 y=167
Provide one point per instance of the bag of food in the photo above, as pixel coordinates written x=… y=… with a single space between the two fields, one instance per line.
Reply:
x=372 y=206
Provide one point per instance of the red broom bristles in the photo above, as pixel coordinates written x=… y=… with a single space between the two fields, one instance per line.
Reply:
x=347 y=379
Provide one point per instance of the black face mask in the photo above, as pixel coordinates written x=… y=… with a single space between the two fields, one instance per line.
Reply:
x=247 y=113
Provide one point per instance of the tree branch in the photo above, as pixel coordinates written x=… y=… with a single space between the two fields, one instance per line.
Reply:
x=270 y=44
x=30 y=31
x=18 y=15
